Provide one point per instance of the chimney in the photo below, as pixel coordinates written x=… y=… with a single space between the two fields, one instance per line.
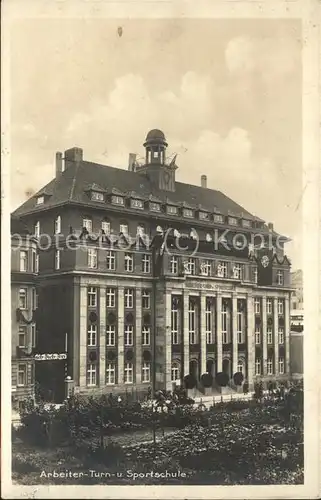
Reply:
x=203 y=181
x=132 y=162
x=73 y=155
x=270 y=226
x=59 y=169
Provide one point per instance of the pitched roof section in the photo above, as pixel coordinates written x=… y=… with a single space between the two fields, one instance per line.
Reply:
x=77 y=178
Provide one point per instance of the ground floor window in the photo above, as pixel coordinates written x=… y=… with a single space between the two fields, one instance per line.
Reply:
x=270 y=366
x=281 y=366
x=257 y=367
x=91 y=374
x=175 y=372
x=110 y=373
x=146 y=372
x=240 y=366
x=22 y=374
x=128 y=373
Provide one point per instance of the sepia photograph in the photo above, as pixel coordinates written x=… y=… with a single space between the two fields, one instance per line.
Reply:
x=156 y=206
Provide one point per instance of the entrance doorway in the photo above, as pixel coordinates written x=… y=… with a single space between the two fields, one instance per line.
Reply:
x=193 y=368
x=227 y=367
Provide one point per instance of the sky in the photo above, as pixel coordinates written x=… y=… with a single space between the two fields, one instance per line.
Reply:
x=226 y=92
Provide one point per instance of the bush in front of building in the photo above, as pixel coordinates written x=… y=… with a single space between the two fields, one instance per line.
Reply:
x=207 y=380
x=222 y=379
x=238 y=378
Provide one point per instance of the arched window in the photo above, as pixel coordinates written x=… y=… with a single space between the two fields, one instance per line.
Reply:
x=240 y=366
x=175 y=371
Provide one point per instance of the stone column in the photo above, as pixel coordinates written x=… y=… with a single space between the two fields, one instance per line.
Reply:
x=234 y=333
x=102 y=336
x=83 y=337
x=203 y=332
x=276 y=335
x=120 y=336
x=250 y=341
x=287 y=334
x=263 y=333
x=185 y=333
x=168 y=342
x=138 y=336
x=219 y=354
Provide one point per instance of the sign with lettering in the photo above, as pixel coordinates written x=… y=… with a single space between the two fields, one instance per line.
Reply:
x=50 y=356
x=210 y=286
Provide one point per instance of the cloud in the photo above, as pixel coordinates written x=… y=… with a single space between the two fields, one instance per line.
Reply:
x=239 y=55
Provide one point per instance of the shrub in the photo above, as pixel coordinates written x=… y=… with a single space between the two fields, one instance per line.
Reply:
x=222 y=379
x=207 y=380
x=189 y=381
x=238 y=378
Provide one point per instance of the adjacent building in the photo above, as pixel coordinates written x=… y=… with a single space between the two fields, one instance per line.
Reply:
x=297 y=324
x=144 y=279
x=24 y=268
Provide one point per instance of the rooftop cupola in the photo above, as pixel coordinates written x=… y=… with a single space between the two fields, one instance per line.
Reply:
x=155 y=145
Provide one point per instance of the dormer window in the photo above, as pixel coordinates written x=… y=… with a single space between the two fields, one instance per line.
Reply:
x=137 y=204
x=203 y=215
x=187 y=212
x=117 y=200
x=246 y=223
x=40 y=200
x=96 y=196
x=155 y=207
x=218 y=218
x=171 y=210
x=232 y=221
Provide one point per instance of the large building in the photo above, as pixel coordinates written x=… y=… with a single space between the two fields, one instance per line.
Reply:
x=144 y=279
x=24 y=262
x=296 y=324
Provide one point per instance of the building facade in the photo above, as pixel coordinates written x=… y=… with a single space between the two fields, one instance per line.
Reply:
x=24 y=263
x=297 y=324
x=144 y=280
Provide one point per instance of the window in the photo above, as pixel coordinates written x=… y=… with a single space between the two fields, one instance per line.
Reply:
x=257 y=334
x=57 y=259
x=269 y=333
x=209 y=322
x=174 y=320
x=281 y=335
x=117 y=200
x=23 y=260
x=240 y=366
x=257 y=367
x=58 y=225
x=146 y=335
x=171 y=210
x=257 y=306
x=123 y=229
x=281 y=366
x=22 y=374
x=206 y=268
x=91 y=374
x=92 y=296
x=193 y=234
x=105 y=226
x=37 y=229
x=37 y=263
x=87 y=224
x=33 y=335
x=155 y=207
x=146 y=263
x=128 y=379
x=240 y=327
x=174 y=264
x=224 y=314
x=111 y=260
x=222 y=270
x=110 y=297
x=187 y=212
x=129 y=335
x=129 y=263
x=146 y=299
x=92 y=258
x=96 y=196
x=146 y=372
x=129 y=298
x=175 y=372
x=270 y=366
x=246 y=223
x=191 y=266
x=137 y=204
x=237 y=272
x=92 y=336
x=22 y=336
x=280 y=278
x=23 y=303
x=110 y=374
x=218 y=218
x=269 y=306
x=208 y=237
x=192 y=322
x=203 y=216
x=280 y=307
x=255 y=275
x=232 y=221
x=110 y=335
x=40 y=200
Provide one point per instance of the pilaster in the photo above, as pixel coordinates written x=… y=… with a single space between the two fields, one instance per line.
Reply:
x=102 y=336
x=219 y=346
x=264 y=337
x=185 y=333
x=120 y=336
x=138 y=336
x=83 y=337
x=234 y=333
x=203 y=332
